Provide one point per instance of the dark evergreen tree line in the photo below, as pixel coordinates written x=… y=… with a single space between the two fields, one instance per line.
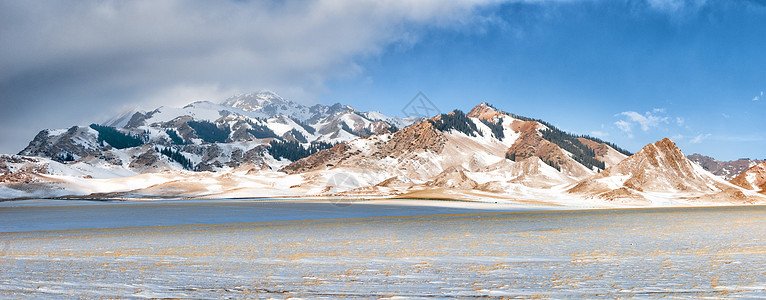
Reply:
x=305 y=126
x=553 y=164
x=174 y=137
x=210 y=132
x=458 y=121
x=294 y=151
x=392 y=128
x=615 y=147
x=523 y=118
x=496 y=128
x=116 y=138
x=345 y=127
x=570 y=143
x=298 y=135
x=260 y=131
x=65 y=157
x=177 y=156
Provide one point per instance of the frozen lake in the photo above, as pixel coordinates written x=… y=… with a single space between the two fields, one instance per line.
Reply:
x=243 y=249
x=40 y=215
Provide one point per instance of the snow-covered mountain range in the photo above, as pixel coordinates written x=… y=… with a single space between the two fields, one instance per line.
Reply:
x=205 y=136
x=261 y=145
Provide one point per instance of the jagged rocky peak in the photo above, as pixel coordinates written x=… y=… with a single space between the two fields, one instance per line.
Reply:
x=659 y=167
x=753 y=178
x=255 y=101
x=484 y=111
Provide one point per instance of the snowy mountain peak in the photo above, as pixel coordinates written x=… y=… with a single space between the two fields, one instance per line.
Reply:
x=256 y=101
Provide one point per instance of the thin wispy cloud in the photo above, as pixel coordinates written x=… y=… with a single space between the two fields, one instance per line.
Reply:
x=674 y=6
x=645 y=121
x=699 y=138
x=292 y=46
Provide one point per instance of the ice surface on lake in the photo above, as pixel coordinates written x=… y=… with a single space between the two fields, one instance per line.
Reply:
x=683 y=252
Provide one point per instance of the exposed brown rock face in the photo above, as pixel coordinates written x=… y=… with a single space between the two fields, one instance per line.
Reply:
x=660 y=167
x=147 y=160
x=139 y=119
x=726 y=169
x=180 y=124
x=416 y=138
x=483 y=112
x=29 y=170
x=49 y=146
x=21 y=178
x=320 y=160
x=600 y=149
x=7 y=160
x=531 y=144
x=105 y=156
x=239 y=131
x=753 y=178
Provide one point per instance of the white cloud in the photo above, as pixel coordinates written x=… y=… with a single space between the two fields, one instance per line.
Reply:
x=676 y=6
x=646 y=121
x=599 y=134
x=699 y=138
x=101 y=55
x=624 y=126
x=680 y=121
x=293 y=47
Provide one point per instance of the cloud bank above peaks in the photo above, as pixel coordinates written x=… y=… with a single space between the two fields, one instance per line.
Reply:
x=291 y=45
x=90 y=58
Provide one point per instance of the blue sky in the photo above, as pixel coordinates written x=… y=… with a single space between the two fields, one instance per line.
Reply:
x=628 y=71
x=623 y=71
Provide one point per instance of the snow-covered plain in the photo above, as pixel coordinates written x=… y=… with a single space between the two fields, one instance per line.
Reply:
x=422 y=251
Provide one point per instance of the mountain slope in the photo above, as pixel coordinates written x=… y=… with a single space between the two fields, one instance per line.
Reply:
x=658 y=173
x=208 y=150
x=753 y=178
x=454 y=151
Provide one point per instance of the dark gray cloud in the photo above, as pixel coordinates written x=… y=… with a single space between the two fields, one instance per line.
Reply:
x=64 y=63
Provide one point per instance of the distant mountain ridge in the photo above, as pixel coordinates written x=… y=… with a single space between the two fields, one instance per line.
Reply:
x=726 y=169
